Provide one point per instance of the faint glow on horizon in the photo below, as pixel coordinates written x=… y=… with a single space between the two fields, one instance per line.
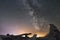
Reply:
x=38 y=34
x=26 y=29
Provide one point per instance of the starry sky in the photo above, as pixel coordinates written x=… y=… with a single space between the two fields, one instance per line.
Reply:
x=15 y=14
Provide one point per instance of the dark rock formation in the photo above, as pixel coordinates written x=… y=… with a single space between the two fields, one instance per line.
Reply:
x=54 y=33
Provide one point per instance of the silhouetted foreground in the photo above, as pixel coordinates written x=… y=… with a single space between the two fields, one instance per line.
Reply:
x=54 y=34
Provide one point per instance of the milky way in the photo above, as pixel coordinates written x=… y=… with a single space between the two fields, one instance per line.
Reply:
x=16 y=15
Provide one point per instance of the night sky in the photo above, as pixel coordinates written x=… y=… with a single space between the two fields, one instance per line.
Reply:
x=15 y=14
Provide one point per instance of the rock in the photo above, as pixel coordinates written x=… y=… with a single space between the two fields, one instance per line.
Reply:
x=54 y=33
